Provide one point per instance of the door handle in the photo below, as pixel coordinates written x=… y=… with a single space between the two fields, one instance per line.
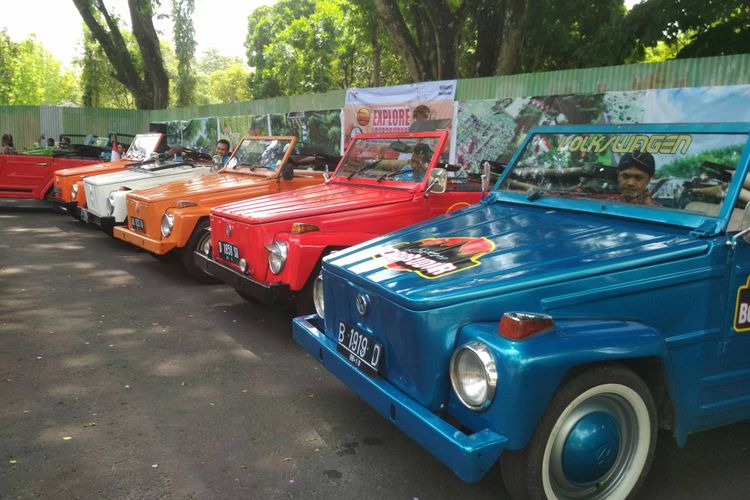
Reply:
x=41 y=163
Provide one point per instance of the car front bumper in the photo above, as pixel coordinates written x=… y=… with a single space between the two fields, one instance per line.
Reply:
x=106 y=223
x=264 y=292
x=64 y=207
x=141 y=240
x=470 y=456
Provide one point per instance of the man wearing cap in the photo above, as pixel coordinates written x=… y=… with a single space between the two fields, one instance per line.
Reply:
x=414 y=170
x=634 y=172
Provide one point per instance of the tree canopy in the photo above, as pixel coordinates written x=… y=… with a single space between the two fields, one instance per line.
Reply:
x=304 y=46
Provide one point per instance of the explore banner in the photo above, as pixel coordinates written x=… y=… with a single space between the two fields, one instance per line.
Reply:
x=417 y=107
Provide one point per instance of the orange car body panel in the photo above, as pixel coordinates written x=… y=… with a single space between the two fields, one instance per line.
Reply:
x=205 y=192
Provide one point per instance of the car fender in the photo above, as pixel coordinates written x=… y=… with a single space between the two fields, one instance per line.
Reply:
x=530 y=371
x=120 y=212
x=185 y=220
x=306 y=249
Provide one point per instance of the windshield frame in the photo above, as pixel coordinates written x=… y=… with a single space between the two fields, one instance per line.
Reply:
x=441 y=136
x=148 y=157
x=258 y=170
x=700 y=222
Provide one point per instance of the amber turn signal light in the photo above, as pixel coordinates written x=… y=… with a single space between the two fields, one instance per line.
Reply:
x=300 y=227
x=519 y=325
x=186 y=203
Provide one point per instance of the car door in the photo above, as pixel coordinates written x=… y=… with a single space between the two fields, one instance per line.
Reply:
x=24 y=176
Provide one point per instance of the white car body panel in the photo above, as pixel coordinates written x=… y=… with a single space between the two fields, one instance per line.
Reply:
x=99 y=187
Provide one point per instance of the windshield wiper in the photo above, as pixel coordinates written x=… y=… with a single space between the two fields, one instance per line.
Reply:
x=362 y=169
x=535 y=194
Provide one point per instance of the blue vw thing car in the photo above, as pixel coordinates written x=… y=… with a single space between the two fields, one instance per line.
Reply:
x=600 y=292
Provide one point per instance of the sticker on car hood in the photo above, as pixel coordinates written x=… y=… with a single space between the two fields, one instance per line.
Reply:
x=433 y=258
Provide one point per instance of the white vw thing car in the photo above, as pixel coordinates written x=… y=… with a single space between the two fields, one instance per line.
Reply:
x=105 y=194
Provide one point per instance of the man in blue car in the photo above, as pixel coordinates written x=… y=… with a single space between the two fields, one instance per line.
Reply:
x=634 y=172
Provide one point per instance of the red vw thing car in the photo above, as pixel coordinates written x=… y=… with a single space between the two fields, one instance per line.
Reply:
x=68 y=192
x=31 y=175
x=270 y=248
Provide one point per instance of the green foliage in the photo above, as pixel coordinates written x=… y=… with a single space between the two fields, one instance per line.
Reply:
x=230 y=84
x=298 y=47
x=99 y=87
x=184 y=44
x=31 y=75
x=716 y=27
x=690 y=166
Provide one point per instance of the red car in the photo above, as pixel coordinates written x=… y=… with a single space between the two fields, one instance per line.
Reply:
x=32 y=176
x=270 y=248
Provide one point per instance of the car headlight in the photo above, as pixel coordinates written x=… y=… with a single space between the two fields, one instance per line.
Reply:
x=111 y=203
x=167 y=223
x=74 y=192
x=277 y=256
x=318 y=295
x=473 y=375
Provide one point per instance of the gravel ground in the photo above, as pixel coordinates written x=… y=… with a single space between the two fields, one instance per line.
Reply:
x=121 y=378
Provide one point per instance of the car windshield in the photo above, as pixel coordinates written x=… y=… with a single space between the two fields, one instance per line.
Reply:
x=405 y=159
x=156 y=165
x=687 y=172
x=260 y=153
x=142 y=146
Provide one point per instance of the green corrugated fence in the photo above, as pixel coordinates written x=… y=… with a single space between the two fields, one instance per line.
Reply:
x=26 y=123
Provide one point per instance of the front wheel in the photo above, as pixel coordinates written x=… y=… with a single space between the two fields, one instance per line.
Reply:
x=200 y=240
x=595 y=441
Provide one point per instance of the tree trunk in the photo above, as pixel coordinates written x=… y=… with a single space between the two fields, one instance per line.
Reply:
x=514 y=20
x=376 y=55
x=150 y=91
x=407 y=48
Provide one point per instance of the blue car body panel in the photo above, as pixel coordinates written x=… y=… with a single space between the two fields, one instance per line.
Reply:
x=624 y=284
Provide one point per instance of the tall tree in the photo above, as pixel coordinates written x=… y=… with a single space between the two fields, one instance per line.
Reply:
x=149 y=84
x=31 y=75
x=184 y=44
x=99 y=87
x=429 y=47
x=8 y=54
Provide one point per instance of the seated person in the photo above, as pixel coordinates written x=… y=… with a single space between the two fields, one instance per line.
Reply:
x=174 y=153
x=634 y=172
x=414 y=170
x=64 y=142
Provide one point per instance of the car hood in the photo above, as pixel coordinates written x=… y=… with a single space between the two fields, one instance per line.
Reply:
x=124 y=177
x=311 y=201
x=95 y=168
x=197 y=188
x=493 y=249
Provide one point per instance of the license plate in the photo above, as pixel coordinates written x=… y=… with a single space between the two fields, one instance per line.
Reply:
x=229 y=252
x=363 y=351
x=84 y=215
x=137 y=224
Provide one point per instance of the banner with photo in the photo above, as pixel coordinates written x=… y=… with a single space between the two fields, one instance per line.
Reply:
x=233 y=128
x=317 y=132
x=418 y=107
x=492 y=129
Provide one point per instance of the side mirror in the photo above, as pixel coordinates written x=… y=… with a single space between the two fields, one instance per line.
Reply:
x=744 y=229
x=438 y=180
x=326 y=175
x=217 y=162
x=486 y=176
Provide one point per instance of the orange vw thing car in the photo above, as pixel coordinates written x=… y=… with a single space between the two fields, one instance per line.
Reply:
x=68 y=193
x=174 y=216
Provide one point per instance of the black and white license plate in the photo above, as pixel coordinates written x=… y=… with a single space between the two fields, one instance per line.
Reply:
x=84 y=215
x=137 y=224
x=229 y=252
x=362 y=350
